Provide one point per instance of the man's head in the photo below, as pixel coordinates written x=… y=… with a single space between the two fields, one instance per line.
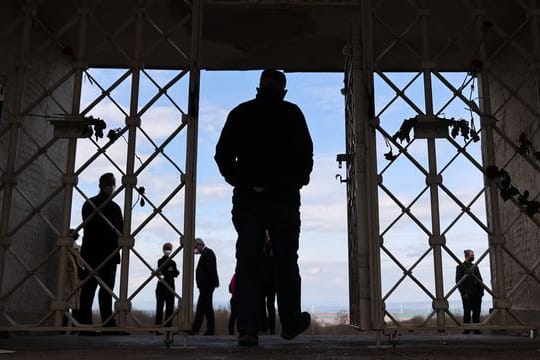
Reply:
x=199 y=245
x=272 y=83
x=469 y=255
x=167 y=249
x=107 y=183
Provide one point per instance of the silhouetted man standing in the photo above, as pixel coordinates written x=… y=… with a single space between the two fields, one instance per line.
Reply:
x=471 y=289
x=207 y=280
x=103 y=223
x=167 y=271
x=265 y=152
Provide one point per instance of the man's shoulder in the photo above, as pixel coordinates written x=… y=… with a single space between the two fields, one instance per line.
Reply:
x=245 y=105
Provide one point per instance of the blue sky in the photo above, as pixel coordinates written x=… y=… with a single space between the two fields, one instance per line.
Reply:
x=323 y=253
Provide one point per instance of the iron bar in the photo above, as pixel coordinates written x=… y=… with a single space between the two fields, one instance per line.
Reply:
x=191 y=166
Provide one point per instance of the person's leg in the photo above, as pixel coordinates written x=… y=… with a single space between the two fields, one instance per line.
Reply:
x=263 y=318
x=467 y=311
x=250 y=226
x=88 y=292
x=108 y=276
x=159 y=307
x=169 y=307
x=232 y=317
x=476 y=307
x=284 y=231
x=209 y=313
x=199 y=314
x=271 y=310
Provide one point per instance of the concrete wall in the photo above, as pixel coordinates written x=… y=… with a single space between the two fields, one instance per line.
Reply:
x=34 y=241
x=522 y=236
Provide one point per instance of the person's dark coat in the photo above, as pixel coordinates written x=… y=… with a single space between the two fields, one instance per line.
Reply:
x=471 y=287
x=206 y=274
x=265 y=142
x=100 y=239
x=169 y=272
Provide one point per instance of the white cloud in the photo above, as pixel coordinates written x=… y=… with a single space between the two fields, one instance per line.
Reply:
x=214 y=191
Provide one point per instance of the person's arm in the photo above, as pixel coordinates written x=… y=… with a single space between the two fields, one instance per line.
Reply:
x=86 y=210
x=213 y=269
x=304 y=148
x=175 y=271
x=119 y=219
x=226 y=150
x=459 y=275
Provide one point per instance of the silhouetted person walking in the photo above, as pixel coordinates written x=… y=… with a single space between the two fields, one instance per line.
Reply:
x=166 y=272
x=265 y=152
x=471 y=289
x=207 y=281
x=99 y=242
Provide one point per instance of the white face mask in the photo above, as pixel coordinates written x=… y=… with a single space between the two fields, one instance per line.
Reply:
x=167 y=252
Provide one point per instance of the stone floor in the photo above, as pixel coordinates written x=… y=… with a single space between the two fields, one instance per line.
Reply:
x=148 y=347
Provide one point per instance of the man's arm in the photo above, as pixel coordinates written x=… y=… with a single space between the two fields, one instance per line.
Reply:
x=459 y=275
x=86 y=210
x=176 y=272
x=213 y=269
x=304 y=149
x=226 y=151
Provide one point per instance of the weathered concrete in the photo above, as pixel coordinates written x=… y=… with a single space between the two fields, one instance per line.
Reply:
x=30 y=245
x=515 y=115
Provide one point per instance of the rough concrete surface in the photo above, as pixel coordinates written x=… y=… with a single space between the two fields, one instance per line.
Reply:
x=150 y=347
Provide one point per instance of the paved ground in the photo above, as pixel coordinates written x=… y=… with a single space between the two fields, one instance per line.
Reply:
x=133 y=347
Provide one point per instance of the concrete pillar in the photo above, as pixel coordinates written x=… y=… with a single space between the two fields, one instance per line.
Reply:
x=511 y=72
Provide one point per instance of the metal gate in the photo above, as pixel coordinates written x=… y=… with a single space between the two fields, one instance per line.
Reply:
x=122 y=141
x=434 y=126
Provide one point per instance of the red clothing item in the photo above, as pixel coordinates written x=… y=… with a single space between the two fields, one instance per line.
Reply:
x=232 y=286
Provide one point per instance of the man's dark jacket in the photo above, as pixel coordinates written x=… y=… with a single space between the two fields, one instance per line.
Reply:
x=206 y=274
x=265 y=143
x=100 y=239
x=169 y=272
x=472 y=285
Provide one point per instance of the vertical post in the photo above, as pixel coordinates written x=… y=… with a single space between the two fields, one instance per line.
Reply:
x=495 y=237
x=372 y=179
x=69 y=178
x=191 y=165
x=15 y=122
x=362 y=172
x=363 y=178
x=129 y=180
x=433 y=179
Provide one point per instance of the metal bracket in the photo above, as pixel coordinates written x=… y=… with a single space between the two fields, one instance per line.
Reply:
x=340 y=158
x=340 y=178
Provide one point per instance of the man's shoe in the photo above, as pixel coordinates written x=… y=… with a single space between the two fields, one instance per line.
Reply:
x=248 y=340
x=208 y=333
x=301 y=325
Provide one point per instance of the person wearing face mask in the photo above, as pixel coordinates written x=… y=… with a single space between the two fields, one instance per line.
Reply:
x=471 y=289
x=207 y=280
x=103 y=224
x=166 y=273
x=265 y=152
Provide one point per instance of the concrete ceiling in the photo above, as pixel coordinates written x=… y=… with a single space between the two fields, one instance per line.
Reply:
x=294 y=35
